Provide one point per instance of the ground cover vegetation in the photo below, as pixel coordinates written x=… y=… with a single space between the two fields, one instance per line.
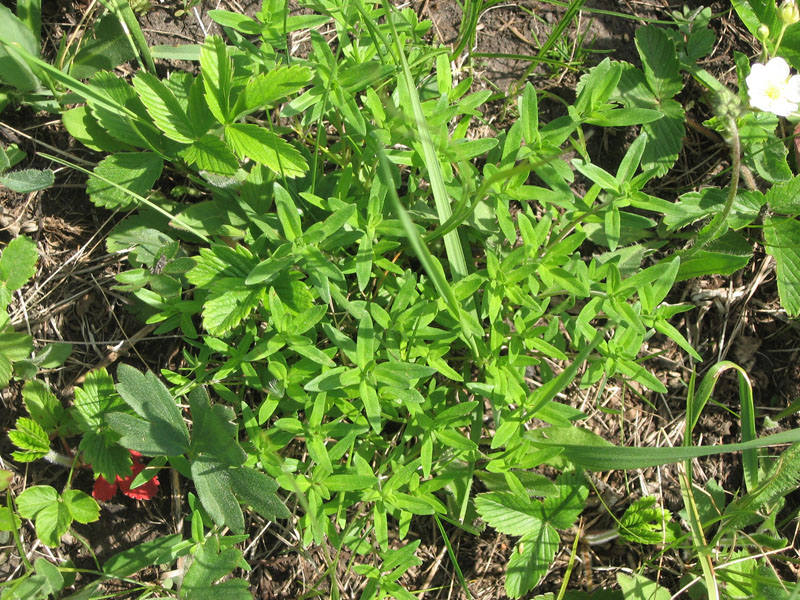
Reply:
x=384 y=316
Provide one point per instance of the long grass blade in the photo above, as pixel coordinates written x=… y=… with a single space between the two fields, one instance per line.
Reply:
x=606 y=458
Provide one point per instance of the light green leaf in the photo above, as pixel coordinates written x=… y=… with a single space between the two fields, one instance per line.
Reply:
x=644 y=522
x=42 y=405
x=31 y=438
x=217 y=77
x=13 y=70
x=165 y=109
x=660 y=61
x=106 y=456
x=51 y=523
x=266 y=148
x=18 y=262
x=508 y=513
x=137 y=558
x=210 y=153
x=531 y=559
x=782 y=240
x=209 y=566
x=227 y=306
x=82 y=507
x=8 y=520
x=266 y=89
x=35 y=499
x=641 y=588
x=135 y=171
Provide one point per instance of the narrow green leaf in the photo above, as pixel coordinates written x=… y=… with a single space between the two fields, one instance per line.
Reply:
x=135 y=559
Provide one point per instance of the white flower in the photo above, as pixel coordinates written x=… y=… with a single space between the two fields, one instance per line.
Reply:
x=772 y=89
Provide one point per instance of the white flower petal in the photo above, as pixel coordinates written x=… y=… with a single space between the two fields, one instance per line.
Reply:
x=792 y=90
x=777 y=69
x=783 y=108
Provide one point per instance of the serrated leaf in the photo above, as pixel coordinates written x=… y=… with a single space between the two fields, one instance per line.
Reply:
x=27 y=180
x=107 y=457
x=217 y=77
x=18 y=262
x=35 y=499
x=266 y=148
x=562 y=510
x=508 y=513
x=82 y=507
x=31 y=438
x=51 y=523
x=94 y=398
x=210 y=153
x=121 y=124
x=782 y=238
x=212 y=481
x=42 y=405
x=258 y=490
x=784 y=197
x=135 y=171
x=660 y=61
x=167 y=112
x=229 y=303
x=643 y=522
x=531 y=559
x=267 y=88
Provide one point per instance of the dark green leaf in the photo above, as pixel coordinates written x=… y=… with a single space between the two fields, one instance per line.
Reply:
x=212 y=481
x=258 y=490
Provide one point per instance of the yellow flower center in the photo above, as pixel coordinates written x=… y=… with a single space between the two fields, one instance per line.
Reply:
x=773 y=92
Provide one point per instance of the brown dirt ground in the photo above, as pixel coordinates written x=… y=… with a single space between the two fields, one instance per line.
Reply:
x=738 y=318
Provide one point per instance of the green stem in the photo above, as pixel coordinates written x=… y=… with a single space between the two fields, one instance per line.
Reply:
x=718 y=223
x=15 y=533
